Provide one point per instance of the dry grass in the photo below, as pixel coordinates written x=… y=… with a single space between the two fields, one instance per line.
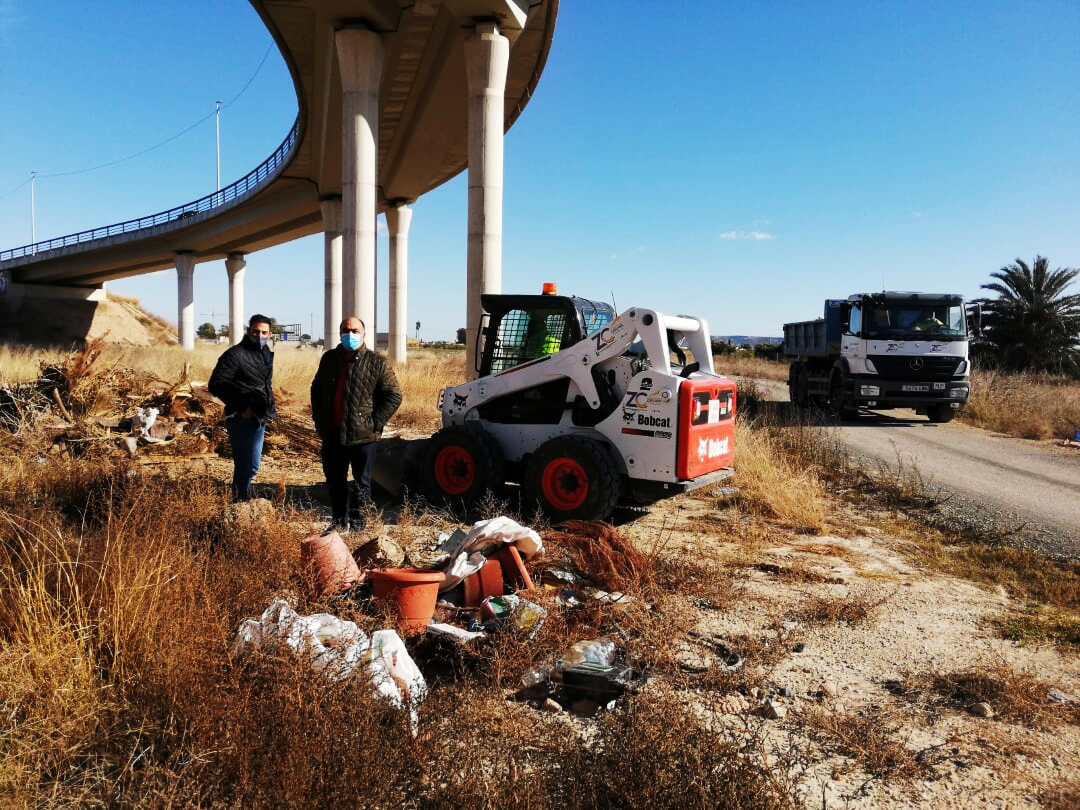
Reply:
x=423 y=378
x=122 y=589
x=872 y=740
x=115 y=673
x=737 y=365
x=22 y=364
x=774 y=482
x=1024 y=405
x=1014 y=697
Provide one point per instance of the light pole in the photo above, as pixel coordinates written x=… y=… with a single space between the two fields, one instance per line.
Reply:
x=33 y=233
x=217 y=126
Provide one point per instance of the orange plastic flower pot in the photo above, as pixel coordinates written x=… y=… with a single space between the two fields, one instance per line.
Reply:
x=488 y=581
x=411 y=592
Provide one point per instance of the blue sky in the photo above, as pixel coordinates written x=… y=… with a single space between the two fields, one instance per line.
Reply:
x=741 y=162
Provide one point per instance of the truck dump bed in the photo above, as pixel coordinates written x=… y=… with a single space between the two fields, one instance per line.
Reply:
x=816 y=338
x=805 y=338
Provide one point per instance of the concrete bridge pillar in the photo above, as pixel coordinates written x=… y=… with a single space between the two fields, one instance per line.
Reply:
x=398 y=218
x=185 y=277
x=234 y=266
x=360 y=57
x=332 y=298
x=487 y=55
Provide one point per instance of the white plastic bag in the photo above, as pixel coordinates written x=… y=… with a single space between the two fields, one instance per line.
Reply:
x=394 y=675
x=333 y=646
x=338 y=649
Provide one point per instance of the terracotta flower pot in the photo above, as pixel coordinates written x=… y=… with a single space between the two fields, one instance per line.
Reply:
x=412 y=593
x=330 y=559
x=488 y=581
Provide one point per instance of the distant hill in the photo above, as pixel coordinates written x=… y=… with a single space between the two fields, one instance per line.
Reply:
x=747 y=340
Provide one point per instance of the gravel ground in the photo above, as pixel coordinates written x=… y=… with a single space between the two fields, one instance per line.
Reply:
x=926 y=624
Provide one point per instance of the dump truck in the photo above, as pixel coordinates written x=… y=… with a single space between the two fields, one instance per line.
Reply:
x=882 y=351
x=581 y=409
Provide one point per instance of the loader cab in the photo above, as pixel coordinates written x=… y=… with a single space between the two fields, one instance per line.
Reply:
x=517 y=329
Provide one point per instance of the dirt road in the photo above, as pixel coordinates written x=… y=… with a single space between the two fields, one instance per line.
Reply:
x=1030 y=488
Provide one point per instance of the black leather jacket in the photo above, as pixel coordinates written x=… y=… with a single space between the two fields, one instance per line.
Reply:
x=242 y=379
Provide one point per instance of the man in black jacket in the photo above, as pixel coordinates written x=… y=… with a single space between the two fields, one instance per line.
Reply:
x=353 y=396
x=243 y=380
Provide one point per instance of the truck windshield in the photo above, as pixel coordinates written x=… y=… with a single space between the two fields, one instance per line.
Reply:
x=912 y=321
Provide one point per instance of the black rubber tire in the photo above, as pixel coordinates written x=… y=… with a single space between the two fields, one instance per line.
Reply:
x=836 y=398
x=940 y=413
x=800 y=389
x=573 y=478
x=460 y=466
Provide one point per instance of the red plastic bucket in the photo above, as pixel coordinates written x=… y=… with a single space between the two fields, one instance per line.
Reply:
x=412 y=592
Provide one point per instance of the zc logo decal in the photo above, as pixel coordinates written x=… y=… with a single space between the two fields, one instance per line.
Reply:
x=606 y=336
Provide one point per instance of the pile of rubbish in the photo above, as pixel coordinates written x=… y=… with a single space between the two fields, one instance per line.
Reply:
x=85 y=407
x=479 y=585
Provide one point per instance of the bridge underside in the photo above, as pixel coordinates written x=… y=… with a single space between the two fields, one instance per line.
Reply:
x=423 y=131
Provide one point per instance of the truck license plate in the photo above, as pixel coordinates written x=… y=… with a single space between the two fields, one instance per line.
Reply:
x=915 y=388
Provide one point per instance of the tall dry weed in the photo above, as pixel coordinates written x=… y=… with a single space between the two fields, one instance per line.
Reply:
x=23 y=364
x=758 y=368
x=1028 y=406
x=778 y=474
x=422 y=379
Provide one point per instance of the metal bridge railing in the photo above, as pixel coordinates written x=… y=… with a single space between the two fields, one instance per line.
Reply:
x=252 y=181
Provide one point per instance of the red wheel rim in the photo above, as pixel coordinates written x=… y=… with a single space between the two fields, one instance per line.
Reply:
x=455 y=470
x=565 y=484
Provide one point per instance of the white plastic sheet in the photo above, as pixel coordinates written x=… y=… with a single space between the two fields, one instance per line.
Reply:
x=467 y=553
x=338 y=649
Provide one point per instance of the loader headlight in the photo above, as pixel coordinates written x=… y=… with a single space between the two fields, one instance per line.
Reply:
x=870 y=367
x=869 y=391
x=962 y=368
x=958 y=392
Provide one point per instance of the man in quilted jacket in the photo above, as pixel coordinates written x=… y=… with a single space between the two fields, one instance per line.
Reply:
x=353 y=396
x=243 y=380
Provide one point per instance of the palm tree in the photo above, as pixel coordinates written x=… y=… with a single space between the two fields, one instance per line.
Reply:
x=1033 y=325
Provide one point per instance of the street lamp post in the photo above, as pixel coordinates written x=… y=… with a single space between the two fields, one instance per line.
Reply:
x=217 y=125
x=33 y=231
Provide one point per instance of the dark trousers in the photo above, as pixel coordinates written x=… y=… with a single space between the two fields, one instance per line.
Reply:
x=336 y=461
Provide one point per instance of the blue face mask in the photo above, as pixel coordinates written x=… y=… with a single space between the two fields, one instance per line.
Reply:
x=350 y=341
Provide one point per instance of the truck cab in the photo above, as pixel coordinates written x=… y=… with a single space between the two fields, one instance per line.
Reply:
x=881 y=351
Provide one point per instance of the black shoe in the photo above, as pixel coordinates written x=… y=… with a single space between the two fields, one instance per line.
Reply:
x=340 y=526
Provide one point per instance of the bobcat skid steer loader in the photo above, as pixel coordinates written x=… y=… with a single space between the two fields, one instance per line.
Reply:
x=581 y=408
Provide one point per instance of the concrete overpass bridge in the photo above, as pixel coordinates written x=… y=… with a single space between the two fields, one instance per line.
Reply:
x=395 y=97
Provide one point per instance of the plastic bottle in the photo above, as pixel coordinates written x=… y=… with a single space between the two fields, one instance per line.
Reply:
x=593 y=651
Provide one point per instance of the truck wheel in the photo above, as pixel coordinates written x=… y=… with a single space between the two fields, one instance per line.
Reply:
x=573 y=478
x=460 y=465
x=940 y=413
x=837 y=399
x=800 y=389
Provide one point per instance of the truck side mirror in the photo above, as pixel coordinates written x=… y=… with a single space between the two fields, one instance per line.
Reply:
x=975 y=319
